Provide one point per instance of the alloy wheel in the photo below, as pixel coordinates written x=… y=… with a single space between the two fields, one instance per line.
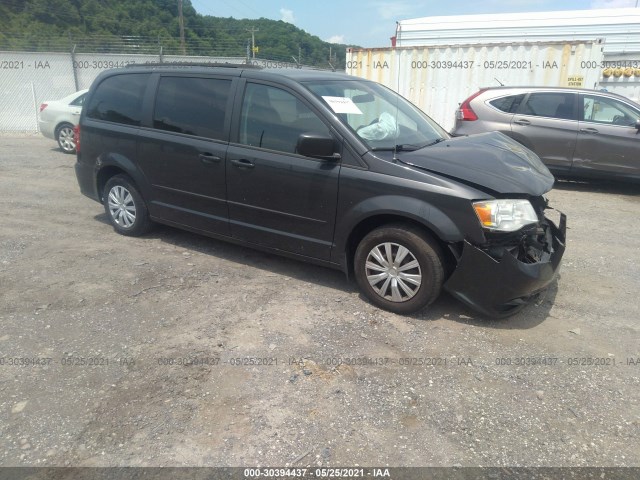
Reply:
x=65 y=139
x=121 y=206
x=393 y=272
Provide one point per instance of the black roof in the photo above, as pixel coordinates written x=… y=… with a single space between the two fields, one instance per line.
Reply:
x=242 y=69
x=301 y=74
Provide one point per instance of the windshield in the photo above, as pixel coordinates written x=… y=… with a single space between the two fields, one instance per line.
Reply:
x=380 y=117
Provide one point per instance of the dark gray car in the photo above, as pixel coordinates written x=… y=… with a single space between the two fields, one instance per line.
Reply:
x=576 y=132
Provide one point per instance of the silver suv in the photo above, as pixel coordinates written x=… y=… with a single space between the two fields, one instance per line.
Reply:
x=576 y=132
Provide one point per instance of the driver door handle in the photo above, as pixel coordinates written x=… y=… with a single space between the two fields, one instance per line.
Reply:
x=522 y=121
x=209 y=159
x=591 y=131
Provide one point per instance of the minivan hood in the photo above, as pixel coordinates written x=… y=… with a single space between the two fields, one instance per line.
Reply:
x=491 y=160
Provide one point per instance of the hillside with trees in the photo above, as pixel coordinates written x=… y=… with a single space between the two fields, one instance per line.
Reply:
x=141 y=26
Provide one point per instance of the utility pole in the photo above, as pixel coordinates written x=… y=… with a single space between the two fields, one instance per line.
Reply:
x=181 y=22
x=330 y=59
x=253 y=40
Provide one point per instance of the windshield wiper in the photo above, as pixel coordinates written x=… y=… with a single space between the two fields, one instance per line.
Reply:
x=407 y=147
x=397 y=148
x=438 y=140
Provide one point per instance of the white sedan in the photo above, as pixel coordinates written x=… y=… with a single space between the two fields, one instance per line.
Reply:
x=58 y=117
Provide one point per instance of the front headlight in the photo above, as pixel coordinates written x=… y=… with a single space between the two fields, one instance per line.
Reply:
x=505 y=215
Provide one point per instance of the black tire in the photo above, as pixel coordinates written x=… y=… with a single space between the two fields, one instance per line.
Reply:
x=64 y=136
x=125 y=207
x=422 y=250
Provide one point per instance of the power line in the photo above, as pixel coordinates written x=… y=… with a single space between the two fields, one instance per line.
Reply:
x=131 y=44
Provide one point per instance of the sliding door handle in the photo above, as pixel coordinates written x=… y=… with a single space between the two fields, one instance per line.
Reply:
x=242 y=163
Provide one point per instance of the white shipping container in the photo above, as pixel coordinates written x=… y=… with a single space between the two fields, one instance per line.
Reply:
x=620 y=27
x=621 y=74
x=438 y=78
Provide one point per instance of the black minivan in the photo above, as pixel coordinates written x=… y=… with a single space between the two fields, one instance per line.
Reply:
x=326 y=168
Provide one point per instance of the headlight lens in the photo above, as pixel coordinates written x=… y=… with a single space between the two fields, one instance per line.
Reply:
x=505 y=215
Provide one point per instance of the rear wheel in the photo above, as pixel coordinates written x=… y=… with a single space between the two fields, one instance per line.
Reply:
x=125 y=207
x=399 y=268
x=64 y=135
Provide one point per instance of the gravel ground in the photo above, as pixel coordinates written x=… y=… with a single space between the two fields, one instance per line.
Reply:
x=175 y=349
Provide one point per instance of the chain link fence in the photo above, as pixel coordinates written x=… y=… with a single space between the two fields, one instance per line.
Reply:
x=28 y=79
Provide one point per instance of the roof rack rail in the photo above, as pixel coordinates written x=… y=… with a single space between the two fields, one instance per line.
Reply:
x=193 y=64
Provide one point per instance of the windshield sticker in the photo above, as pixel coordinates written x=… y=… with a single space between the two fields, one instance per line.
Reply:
x=342 y=105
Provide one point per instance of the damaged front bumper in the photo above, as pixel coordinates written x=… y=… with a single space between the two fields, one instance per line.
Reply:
x=499 y=287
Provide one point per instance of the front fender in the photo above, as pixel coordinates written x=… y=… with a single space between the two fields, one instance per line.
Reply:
x=396 y=207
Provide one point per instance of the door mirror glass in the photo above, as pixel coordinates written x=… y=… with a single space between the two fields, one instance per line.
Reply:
x=315 y=145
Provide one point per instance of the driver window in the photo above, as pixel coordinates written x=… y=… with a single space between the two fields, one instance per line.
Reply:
x=272 y=118
x=606 y=110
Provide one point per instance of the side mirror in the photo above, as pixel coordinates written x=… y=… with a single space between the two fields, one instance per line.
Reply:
x=638 y=124
x=316 y=145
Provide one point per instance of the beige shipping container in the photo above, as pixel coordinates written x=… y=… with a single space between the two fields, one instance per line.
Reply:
x=437 y=79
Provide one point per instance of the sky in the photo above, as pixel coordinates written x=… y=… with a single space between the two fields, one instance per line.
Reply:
x=372 y=23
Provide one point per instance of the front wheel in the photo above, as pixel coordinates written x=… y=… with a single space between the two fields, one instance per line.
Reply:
x=125 y=207
x=399 y=268
x=64 y=135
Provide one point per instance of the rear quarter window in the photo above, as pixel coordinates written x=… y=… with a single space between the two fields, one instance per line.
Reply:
x=118 y=99
x=79 y=101
x=507 y=104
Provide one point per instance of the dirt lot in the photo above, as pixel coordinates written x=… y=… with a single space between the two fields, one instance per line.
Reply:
x=175 y=349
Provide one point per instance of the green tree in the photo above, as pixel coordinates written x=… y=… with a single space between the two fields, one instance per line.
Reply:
x=101 y=25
